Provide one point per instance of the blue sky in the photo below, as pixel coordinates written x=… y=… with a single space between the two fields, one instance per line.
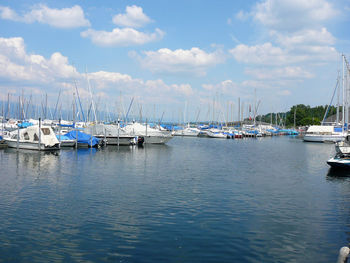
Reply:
x=174 y=55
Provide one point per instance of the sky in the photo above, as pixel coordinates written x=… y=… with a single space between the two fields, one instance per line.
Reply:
x=176 y=59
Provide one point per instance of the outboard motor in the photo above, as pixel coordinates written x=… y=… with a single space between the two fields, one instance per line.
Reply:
x=140 y=141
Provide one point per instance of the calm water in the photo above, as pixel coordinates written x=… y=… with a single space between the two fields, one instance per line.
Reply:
x=192 y=200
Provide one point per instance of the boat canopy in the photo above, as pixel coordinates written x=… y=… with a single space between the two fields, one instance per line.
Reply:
x=82 y=138
x=47 y=135
x=323 y=128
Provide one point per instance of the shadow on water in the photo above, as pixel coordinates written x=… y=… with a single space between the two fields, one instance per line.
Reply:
x=334 y=173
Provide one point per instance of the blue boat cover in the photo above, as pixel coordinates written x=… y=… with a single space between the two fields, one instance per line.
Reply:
x=24 y=124
x=82 y=138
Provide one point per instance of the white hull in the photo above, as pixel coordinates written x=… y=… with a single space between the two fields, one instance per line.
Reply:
x=11 y=143
x=323 y=138
x=216 y=135
x=339 y=162
x=115 y=140
x=157 y=139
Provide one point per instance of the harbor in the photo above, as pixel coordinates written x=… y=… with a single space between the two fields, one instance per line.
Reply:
x=175 y=131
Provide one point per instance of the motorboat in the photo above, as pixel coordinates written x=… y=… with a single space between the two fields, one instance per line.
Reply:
x=82 y=139
x=150 y=135
x=112 y=134
x=66 y=141
x=33 y=138
x=339 y=161
x=188 y=131
x=324 y=133
x=216 y=133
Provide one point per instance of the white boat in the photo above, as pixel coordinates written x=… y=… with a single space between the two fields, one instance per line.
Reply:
x=33 y=138
x=150 y=135
x=343 y=147
x=188 y=131
x=65 y=141
x=216 y=133
x=322 y=133
x=111 y=134
x=339 y=162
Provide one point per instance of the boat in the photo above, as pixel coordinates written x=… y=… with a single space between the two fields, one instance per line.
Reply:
x=66 y=141
x=323 y=133
x=150 y=135
x=33 y=138
x=112 y=134
x=83 y=140
x=339 y=161
x=188 y=131
x=216 y=133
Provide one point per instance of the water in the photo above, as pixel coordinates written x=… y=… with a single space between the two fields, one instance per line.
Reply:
x=192 y=200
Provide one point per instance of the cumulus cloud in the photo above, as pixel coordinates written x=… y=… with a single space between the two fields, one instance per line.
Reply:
x=292 y=73
x=20 y=69
x=193 y=60
x=293 y=15
x=264 y=54
x=134 y=17
x=121 y=37
x=296 y=34
x=61 y=18
x=226 y=87
x=304 y=37
x=16 y=64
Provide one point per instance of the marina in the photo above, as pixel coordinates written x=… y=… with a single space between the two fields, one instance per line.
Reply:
x=175 y=131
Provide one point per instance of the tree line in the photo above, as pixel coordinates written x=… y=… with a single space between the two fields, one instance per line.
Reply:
x=299 y=115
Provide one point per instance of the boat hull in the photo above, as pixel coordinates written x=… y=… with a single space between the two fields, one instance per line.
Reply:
x=343 y=163
x=115 y=140
x=11 y=143
x=157 y=139
x=67 y=143
x=323 y=138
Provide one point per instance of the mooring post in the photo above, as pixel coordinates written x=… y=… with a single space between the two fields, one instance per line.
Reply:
x=39 y=145
x=343 y=255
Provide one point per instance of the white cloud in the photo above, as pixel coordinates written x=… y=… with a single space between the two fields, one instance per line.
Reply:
x=243 y=16
x=194 y=60
x=265 y=54
x=20 y=69
x=226 y=87
x=293 y=15
x=292 y=73
x=269 y=55
x=121 y=37
x=61 y=18
x=17 y=65
x=305 y=37
x=134 y=17
x=284 y=92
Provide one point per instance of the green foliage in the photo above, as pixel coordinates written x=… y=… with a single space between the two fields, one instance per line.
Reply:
x=301 y=114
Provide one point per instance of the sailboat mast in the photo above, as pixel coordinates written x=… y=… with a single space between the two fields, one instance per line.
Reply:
x=343 y=80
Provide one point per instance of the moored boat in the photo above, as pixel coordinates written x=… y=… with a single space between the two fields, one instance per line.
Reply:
x=323 y=133
x=339 y=161
x=33 y=138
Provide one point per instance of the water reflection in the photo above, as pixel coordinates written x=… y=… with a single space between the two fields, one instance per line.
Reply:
x=192 y=200
x=334 y=173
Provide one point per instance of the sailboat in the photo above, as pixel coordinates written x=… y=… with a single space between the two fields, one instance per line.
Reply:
x=332 y=133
